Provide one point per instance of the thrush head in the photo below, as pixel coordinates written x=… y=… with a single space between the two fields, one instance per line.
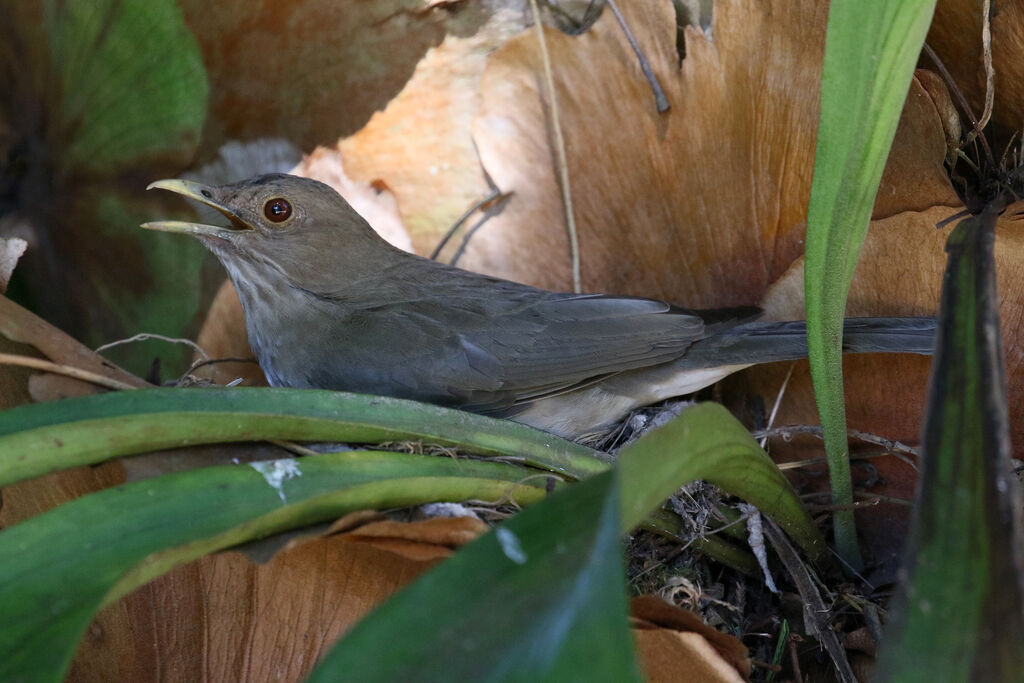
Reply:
x=277 y=225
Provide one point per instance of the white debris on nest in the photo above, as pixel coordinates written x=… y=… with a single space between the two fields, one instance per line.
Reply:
x=651 y=418
x=276 y=472
x=447 y=510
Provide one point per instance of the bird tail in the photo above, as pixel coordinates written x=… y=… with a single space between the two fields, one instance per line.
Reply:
x=766 y=342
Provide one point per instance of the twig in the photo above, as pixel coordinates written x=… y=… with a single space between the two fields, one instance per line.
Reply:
x=496 y=194
x=795 y=638
x=66 y=370
x=816 y=612
x=867 y=500
x=213 y=361
x=815 y=430
x=659 y=95
x=563 y=166
x=143 y=336
x=856 y=505
x=464 y=243
x=960 y=99
x=809 y=462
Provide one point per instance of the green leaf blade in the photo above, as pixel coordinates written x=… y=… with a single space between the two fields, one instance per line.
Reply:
x=36 y=439
x=870 y=52
x=529 y=601
x=61 y=566
x=707 y=442
x=960 y=613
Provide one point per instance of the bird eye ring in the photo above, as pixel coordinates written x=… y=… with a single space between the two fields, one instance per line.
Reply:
x=277 y=210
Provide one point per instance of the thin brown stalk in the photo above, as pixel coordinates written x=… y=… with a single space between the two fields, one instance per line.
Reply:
x=659 y=95
x=66 y=370
x=990 y=73
x=563 y=166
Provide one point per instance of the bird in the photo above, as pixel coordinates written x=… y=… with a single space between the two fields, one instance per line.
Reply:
x=330 y=305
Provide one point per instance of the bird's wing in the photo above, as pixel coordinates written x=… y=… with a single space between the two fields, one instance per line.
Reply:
x=496 y=354
x=491 y=345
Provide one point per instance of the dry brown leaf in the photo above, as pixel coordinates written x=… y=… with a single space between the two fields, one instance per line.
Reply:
x=673 y=641
x=900 y=273
x=704 y=205
x=701 y=205
x=426 y=540
x=14 y=380
x=35 y=496
x=226 y=618
x=420 y=146
x=312 y=70
x=46 y=386
x=669 y=656
x=955 y=35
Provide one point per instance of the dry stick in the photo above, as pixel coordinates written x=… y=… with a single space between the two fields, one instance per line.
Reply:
x=794 y=656
x=960 y=99
x=563 y=166
x=815 y=430
x=866 y=500
x=464 y=243
x=816 y=612
x=659 y=95
x=893 y=448
x=797 y=464
x=462 y=219
x=66 y=370
x=813 y=507
x=990 y=73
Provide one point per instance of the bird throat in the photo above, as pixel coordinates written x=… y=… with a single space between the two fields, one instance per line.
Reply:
x=277 y=317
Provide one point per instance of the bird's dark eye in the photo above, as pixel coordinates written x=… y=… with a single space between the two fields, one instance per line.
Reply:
x=277 y=210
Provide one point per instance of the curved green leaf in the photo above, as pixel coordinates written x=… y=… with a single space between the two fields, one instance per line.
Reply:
x=62 y=566
x=41 y=438
x=871 y=48
x=707 y=442
x=540 y=598
x=960 y=614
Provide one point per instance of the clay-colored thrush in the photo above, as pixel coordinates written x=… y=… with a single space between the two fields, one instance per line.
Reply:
x=329 y=304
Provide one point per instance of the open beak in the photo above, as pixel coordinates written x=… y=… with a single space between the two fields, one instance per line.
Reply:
x=204 y=195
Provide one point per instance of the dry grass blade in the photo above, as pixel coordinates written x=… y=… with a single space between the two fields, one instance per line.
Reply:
x=816 y=612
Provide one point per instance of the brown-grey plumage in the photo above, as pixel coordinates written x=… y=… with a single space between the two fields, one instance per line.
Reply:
x=329 y=304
